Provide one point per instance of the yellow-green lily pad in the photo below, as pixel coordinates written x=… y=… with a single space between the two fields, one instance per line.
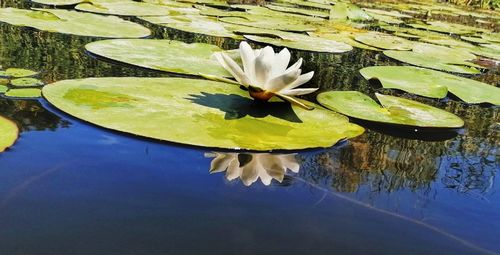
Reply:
x=129 y=8
x=195 y=24
x=58 y=2
x=295 y=10
x=24 y=93
x=3 y=89
x=4 y=81
x=73 y=22
x=26 y=82
x=437 y=57
x=197 y=112
x=348 y=11
x=18 y=72
x=8 y=133
x=434 y=84
x=164 y=55
x=384 y=41
x=449 y=28
x=394 y=110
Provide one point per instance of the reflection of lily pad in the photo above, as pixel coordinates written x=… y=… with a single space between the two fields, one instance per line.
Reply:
x=430 y=83
x=24 y=93
x=384 y=41
x=394 y=110
x=26 y=82
x=437 y=57
x=164 y=55
x=197 y=112
x=8 y=133
x=73 y=22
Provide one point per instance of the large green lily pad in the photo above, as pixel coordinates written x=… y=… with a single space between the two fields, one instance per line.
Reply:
x=384 y=41
x=197 y=112
x=8 y=133
x=195 y=24
x=430 y=83
x=394 y=110
x=437 y=57
x=73 y=22
x=130 y=8
x=164 y=55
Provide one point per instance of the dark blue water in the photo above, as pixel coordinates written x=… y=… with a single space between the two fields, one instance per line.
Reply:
x=67 y=187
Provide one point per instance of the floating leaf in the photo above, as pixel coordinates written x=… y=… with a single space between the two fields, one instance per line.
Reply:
x=430 y=83
x=8 y=133
x=58 y=2
x=130 y=8
x=197 y=112
x=449 y=28
x=4 y=81
x=3 y=89
x=163 y=55
x=437 y=57
x=384 y=41
x=278 y=23
x=26 y=82
x=348 y=11
x=309 y=12
x=24 y=93
x=73 y=22
x=195 y=24
x=18 y=72
x=394 y=110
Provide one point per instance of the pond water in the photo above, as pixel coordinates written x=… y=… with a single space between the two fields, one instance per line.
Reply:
x=68 y=187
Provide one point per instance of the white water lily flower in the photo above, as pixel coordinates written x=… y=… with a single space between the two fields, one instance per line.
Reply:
x=265 y=166
x=267 y=74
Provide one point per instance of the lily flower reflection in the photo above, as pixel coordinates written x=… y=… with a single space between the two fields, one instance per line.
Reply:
x=266 y=74
x=251 y=166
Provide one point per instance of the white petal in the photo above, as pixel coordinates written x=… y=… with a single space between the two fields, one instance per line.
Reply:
x=281 y=61
x=298 y=92
x=233 y=68
x=296 y=65
x=248 y=59
x=301 y=80
x=282 y=81
x=263 y=66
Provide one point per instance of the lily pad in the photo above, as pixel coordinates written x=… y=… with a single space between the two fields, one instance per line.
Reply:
x=195 y=24
x=430 y=83
x=73 y=22
x=58 y=2
x=449 y=28
x=437 y=57
x=18 y=72
x=265 y=22
x=384 y=41
x=308 y=12
x=294 y=40
x=26 y=82
x=24 y=93
x=4 y=81
x=164 y=55
x=348 y=11
x=8 y=133
x=3 y=89
x=394 y=110
x=130 y=8
x=345 y=37
x=197 y=112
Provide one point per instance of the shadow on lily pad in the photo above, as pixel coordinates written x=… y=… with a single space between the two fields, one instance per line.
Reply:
x=236 y=107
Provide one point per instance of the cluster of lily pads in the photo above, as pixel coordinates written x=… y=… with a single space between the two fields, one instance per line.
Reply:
x=218 y=113
x=19 y=83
